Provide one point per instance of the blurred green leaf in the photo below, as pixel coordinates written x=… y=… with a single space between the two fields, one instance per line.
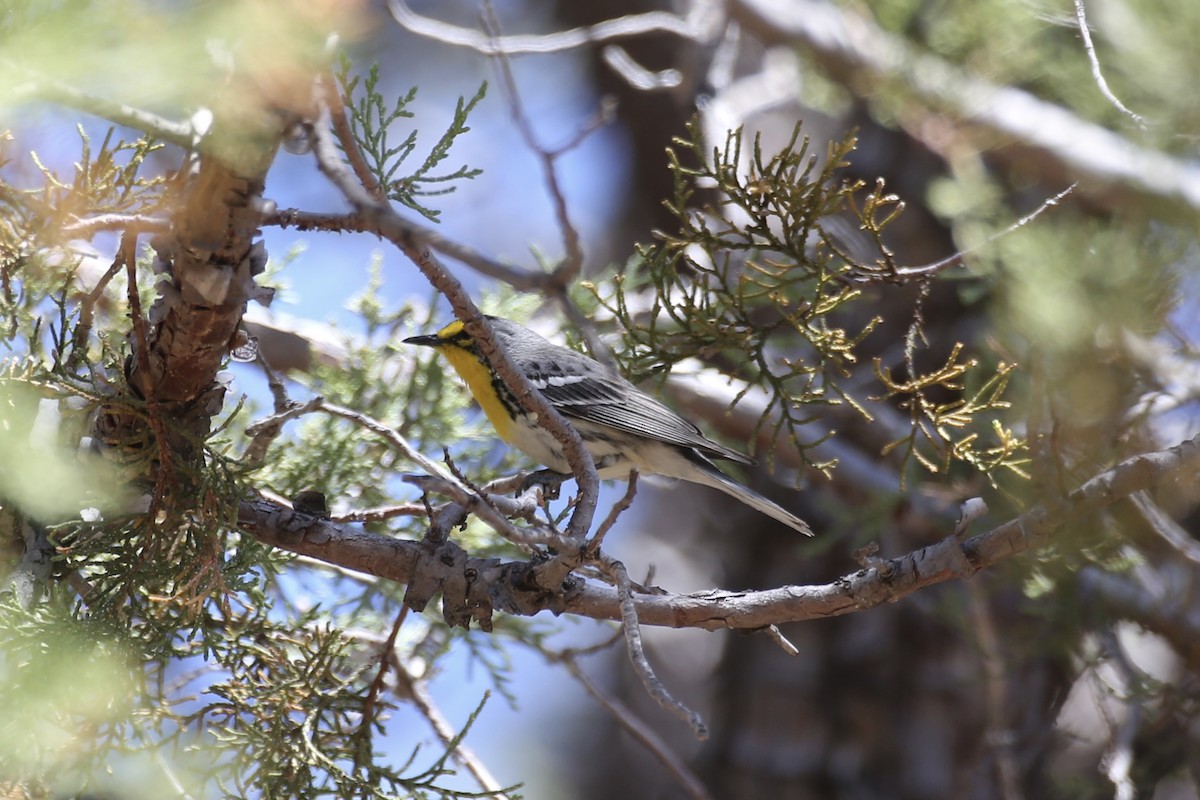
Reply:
x=37 y=472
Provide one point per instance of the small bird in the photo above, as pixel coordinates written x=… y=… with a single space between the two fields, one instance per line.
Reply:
x=620 y=425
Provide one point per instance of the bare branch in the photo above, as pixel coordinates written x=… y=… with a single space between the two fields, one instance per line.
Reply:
x=1085 y=33
x=87 y=227
x=699 y=25
x=263 y=432
x=637 y=76
x=1167 y=529
x=42 y=88
x=504 y=586
x=386 y=657
x=572 y=263
x=524 y=280
x=381 y=513
x=957 y=259
x=642 y=733
x=637 y=654
x=613 y=513
x=394 y=439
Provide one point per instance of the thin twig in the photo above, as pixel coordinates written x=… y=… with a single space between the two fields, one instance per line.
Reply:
x=1085 y=33
x=629 y=722
x=639 y=77
x=87 y=227
x=1167 y=529
x=547 y=283
x=179 y=133
x=381 y=513
x=613 y=513
x=87 y=308
x=127 y=253
x=637 y=653
x=346 y=572
x=572 y=262
x=263 y=432
x=345 y=136
x=486 y=508
x=958 y=258
x=493 y=510
x=1118 y=761
x=605 y=115
x=999 y=734
x=386 y=657
x=464 y=755
x=278 y=390
x=524 y=280
x=785 y=644
x=393 y=438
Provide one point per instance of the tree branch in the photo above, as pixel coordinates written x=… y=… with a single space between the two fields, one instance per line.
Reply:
x=182 y=134
x=859 y=53
x=523 y=280
x=1085 y=35
x=701 y=24
x=572 y=262
x=642 y=733
x=472 y=587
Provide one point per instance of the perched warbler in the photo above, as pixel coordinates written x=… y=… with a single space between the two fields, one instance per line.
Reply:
x=621 y=426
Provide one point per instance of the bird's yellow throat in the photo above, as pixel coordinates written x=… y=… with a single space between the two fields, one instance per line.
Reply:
x=478 y=378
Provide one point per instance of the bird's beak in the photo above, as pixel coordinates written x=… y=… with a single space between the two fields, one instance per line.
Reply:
x=426 y=341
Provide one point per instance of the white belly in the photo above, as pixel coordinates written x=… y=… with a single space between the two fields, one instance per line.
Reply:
x=604 y=443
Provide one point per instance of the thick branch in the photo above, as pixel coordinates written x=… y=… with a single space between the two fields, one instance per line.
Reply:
x=471 y=587
x=211 y=258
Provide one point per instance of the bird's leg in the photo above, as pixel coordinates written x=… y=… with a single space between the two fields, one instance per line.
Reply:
x=550 y=481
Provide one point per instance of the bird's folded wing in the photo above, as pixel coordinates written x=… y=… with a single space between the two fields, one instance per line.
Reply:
x=618 y=404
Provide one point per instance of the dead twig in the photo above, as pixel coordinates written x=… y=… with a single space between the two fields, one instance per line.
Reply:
x=642 y=733
x=637 y=653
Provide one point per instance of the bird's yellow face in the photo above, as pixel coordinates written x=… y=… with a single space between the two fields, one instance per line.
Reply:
x=459 y=349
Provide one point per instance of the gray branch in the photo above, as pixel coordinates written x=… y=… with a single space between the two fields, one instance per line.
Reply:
x=472 y=587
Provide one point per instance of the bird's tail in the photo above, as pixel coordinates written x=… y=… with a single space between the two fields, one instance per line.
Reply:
x=705 y=472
